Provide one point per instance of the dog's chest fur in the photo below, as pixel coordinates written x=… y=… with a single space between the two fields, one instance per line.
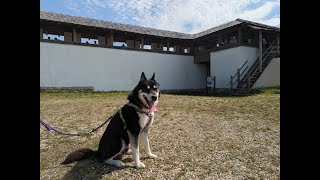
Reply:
x=144 y=119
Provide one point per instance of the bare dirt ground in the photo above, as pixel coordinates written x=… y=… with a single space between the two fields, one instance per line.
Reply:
x=194 y=137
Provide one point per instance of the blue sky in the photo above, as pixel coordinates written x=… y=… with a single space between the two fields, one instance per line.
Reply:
x=187 y=16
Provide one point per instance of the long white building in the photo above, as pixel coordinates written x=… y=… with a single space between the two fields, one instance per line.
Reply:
x=77 y=52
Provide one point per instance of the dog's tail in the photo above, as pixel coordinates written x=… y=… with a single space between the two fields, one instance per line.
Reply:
x=78 y=155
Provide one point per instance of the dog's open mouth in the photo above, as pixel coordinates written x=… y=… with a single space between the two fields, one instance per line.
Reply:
x=151 y=104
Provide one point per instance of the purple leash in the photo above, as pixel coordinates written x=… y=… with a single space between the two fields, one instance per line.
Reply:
x=49 y=128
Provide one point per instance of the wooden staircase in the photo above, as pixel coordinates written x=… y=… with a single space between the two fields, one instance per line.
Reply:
x=244 y=85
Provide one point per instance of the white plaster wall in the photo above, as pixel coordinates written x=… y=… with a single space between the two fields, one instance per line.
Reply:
x=64 y=65
x=225 y=63
x=270 y=77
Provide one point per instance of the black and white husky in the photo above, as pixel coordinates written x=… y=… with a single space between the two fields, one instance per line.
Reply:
x=129 y=124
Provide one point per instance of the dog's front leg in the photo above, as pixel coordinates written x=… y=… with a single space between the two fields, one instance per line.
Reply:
x=134 y=145
x=145 y=141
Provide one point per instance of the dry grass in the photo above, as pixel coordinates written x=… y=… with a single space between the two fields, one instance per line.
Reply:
x=195 y=137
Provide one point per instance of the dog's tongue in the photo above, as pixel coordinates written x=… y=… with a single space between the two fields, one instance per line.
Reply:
x=152 y=106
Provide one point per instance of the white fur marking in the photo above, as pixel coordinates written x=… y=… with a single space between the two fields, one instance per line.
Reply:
x=143 y=119
x=117 y=163
x=141 y=94
x=145 y=141
x=135 y=153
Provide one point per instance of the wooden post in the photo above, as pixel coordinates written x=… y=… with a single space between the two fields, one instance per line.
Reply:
x=231 y=85
x=238 y=76
x=260 y=51
x=278 y=44
x=239 y=35
x=142 y=43
x=101 y=40
x=219 y=40
x=78 y=39
x=154 y=46
x=111 y=38
x=41 y=34
x=207 y=88
x=248 y=81
x=137 y=44
x=214 y=84
x=168 y=46
x=177 y=49
x=67 y=36
x=192 y=51
x=130 y=43
x=74 y=33
x=213 y=45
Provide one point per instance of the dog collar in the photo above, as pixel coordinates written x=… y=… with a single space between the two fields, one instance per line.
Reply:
x=142 y=105
x=138 y=108
x=134 y=106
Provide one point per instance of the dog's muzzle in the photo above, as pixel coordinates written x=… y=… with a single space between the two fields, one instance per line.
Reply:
x=154 y=98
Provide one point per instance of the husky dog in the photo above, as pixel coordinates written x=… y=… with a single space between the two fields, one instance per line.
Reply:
x=130 y=123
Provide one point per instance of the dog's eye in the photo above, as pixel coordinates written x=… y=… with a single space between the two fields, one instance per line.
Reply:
x=148 y=87
x=155 y=87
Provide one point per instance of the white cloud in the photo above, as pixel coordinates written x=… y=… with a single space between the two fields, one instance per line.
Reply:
x=72 y=6
x=260 y=12
x=275 y=21
x=188 y=16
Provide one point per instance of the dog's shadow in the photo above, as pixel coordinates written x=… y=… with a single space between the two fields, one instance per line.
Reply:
x=91 y=169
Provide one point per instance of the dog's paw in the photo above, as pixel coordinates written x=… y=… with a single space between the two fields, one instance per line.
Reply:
x=140 y=165
x=119 y=164
x=116 y=163
x=152 y=156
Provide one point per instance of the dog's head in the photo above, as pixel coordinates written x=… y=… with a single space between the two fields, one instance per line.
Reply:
x=146 y=94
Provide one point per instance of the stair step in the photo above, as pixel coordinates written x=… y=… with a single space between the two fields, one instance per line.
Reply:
x=240 y=90
x=247 y=92
x=242 y=85
x=236 y=94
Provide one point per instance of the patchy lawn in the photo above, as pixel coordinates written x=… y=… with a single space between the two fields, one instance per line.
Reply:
x=194 y=136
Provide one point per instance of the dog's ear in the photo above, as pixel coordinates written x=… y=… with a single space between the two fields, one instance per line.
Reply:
x=153 y=76
x=143 y=77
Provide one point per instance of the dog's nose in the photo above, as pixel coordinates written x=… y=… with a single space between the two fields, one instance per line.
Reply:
x=154 y=98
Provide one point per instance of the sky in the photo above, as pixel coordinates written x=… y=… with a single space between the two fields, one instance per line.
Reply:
x=186 y=16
